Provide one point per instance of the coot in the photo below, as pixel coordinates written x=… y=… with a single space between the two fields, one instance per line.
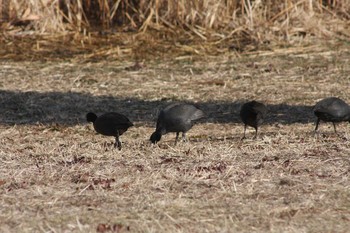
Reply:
x=177 y=117
x=110 y=124
x=333 y=110
x=253 y=113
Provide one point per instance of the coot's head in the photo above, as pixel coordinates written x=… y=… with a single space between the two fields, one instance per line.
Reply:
x=155 y=137
x=91 y=117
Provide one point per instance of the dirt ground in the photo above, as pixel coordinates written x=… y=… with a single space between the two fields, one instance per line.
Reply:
x=58 y=175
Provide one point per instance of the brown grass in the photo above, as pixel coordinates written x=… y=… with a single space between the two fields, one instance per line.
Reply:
x=237 y=22
x=57 y=175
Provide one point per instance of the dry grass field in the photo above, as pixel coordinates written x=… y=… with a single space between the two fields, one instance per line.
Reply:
x=58 y=175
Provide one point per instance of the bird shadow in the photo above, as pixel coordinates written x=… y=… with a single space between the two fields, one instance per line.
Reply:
x=70 y=108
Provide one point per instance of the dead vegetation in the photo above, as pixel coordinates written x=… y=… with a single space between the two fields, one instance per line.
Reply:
x=193 y=27
x=57 y=175
x=60 y=59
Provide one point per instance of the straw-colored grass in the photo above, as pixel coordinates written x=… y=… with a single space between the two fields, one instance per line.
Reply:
x=58 y=175
x=238 y=21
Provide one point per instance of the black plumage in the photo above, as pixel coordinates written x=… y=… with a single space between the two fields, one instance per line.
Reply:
x=176 y=118
x=110 y=124
x=253 y=113
x=333 y=110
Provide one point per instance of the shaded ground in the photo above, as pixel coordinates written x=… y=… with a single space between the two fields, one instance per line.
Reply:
x=57 y=175
x=70 y=108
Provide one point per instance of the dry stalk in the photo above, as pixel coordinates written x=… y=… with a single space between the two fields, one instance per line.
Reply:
x=206 y=19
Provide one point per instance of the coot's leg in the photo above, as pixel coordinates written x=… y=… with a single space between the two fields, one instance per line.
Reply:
x=117 y=144
x=256 y=133
x=317 y=122
x=177 y=137
x=184 y=139
x=245 y=128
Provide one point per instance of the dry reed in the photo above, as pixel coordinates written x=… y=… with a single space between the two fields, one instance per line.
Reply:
x=257 y=21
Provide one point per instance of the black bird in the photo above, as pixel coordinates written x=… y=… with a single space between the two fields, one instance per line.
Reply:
x=110 y=124
x=333 y=110
x=176 y=118
x=253 y=114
